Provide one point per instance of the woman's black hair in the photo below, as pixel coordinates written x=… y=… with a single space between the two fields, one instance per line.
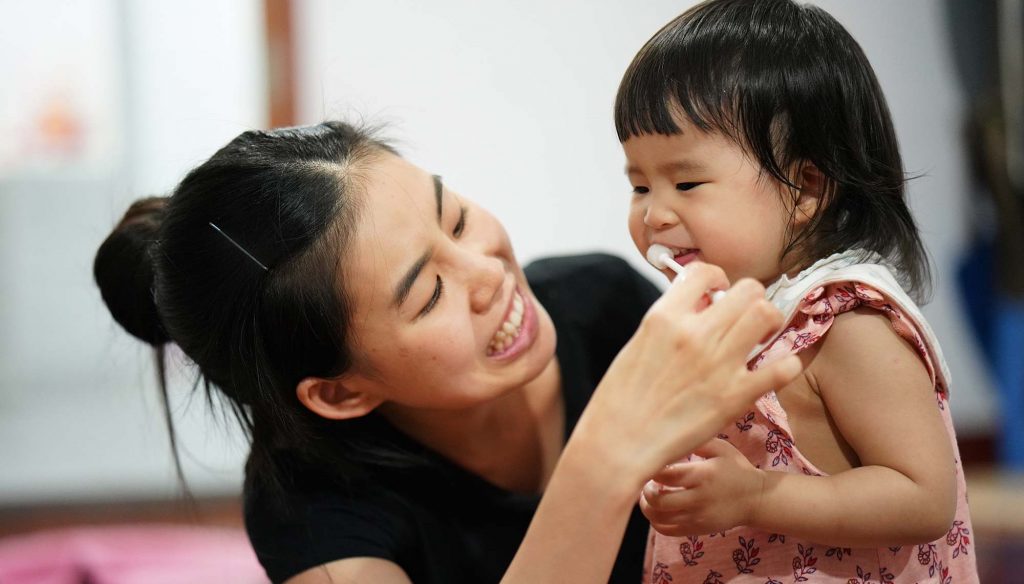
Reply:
x=790 y=85
x=242 y=268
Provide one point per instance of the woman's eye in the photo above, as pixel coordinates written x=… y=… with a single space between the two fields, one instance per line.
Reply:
x=461 y=225
x=438 y=289
x=685 y=186
x=641 y=190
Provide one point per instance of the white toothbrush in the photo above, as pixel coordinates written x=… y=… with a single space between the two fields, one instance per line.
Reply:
x=660 y=257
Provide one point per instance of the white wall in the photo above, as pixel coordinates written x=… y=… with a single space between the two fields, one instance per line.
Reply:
x=79 y=412
x=509 y=100
x=512 y=102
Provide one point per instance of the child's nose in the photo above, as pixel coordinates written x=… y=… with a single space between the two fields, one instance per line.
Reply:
x=659 y=215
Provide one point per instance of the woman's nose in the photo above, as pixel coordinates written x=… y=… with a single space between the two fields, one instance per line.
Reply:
x=486 y=276
x=659 y=214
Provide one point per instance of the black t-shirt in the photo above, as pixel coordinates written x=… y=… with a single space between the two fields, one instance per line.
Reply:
x=447 y=525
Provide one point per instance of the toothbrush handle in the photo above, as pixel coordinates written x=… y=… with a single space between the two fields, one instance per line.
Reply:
x=680 y=271
x=674 y=266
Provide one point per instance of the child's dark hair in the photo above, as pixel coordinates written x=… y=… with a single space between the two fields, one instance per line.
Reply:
x=242 y=268
x=790 y=85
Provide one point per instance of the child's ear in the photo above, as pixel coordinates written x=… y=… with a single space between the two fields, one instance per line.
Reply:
x=335 y=399
x=810 y=188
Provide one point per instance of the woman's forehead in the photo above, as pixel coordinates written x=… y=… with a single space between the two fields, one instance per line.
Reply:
x=398 y=216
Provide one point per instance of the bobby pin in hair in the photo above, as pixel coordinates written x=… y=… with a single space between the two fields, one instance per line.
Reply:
x=242 y=249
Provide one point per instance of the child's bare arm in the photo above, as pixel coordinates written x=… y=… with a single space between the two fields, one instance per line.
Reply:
x=878 y=392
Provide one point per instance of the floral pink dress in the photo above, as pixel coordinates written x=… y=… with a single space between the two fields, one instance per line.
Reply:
x=744 y=555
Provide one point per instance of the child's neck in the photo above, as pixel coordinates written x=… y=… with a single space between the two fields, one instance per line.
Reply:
x=791 y=268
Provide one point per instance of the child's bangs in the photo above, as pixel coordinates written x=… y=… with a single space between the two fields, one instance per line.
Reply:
x=651 y=100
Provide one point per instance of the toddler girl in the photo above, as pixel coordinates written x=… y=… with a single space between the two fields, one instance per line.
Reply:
x=757 y=139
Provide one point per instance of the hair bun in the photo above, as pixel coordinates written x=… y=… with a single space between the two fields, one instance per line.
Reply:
x=123 y=269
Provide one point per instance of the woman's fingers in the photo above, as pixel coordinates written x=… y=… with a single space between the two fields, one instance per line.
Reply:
x=683 y=374
x=760 y=319
x=767 y=377
x=687 y=294
x=743 y=304
x=675 y=321
x=716 y=448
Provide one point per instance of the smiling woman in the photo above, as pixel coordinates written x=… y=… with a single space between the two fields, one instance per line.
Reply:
x=456 y=285
x=410 y=416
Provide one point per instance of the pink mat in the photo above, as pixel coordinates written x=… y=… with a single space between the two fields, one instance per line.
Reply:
x=151 y=554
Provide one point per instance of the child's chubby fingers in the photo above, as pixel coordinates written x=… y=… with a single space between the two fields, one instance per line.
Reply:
x=678 y=475
x=701 y=496
x=673 y=488
x=667 y=487
x=667 y=506
x=661 y=504
x=682 y=525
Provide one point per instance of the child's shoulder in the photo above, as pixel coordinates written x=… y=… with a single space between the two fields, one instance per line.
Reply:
x=863 y=344
x=859 y=334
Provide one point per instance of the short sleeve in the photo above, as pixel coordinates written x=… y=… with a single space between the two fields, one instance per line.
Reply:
x=309 y=529
x=818 y=310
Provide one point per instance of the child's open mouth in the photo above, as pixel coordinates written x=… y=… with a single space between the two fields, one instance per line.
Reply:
x=685 y=256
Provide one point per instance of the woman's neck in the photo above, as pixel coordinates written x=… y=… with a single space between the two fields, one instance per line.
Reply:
x=512 y=441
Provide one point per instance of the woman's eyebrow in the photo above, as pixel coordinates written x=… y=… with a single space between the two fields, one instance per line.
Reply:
x=438 y=188
x=405 y=284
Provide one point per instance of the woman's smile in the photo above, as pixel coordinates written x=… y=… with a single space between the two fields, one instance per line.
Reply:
x=460 y=306
x=517 y=331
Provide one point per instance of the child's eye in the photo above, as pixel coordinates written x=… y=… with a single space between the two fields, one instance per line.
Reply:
x=641 y=190
x=685 y=186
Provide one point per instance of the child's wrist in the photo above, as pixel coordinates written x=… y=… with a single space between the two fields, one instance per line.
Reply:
x=759 y=483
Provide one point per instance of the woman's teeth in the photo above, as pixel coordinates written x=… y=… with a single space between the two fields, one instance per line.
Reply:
x=510 y=329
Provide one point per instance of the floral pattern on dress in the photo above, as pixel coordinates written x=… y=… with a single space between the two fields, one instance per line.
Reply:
x=747 y=556
x=819 y=309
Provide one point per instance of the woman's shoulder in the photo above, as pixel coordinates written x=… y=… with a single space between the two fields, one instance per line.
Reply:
x=590 y=265
x=306 y=525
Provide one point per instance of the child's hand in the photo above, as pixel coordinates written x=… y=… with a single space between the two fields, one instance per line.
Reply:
x=703 y=496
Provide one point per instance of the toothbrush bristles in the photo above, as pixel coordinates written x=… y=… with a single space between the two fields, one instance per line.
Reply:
x=659 y=257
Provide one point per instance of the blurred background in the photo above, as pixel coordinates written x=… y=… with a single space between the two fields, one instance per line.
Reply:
x=105 y=101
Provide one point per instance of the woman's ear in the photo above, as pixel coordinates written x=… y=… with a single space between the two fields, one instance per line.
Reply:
x=811 y=187
x=332 y=399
